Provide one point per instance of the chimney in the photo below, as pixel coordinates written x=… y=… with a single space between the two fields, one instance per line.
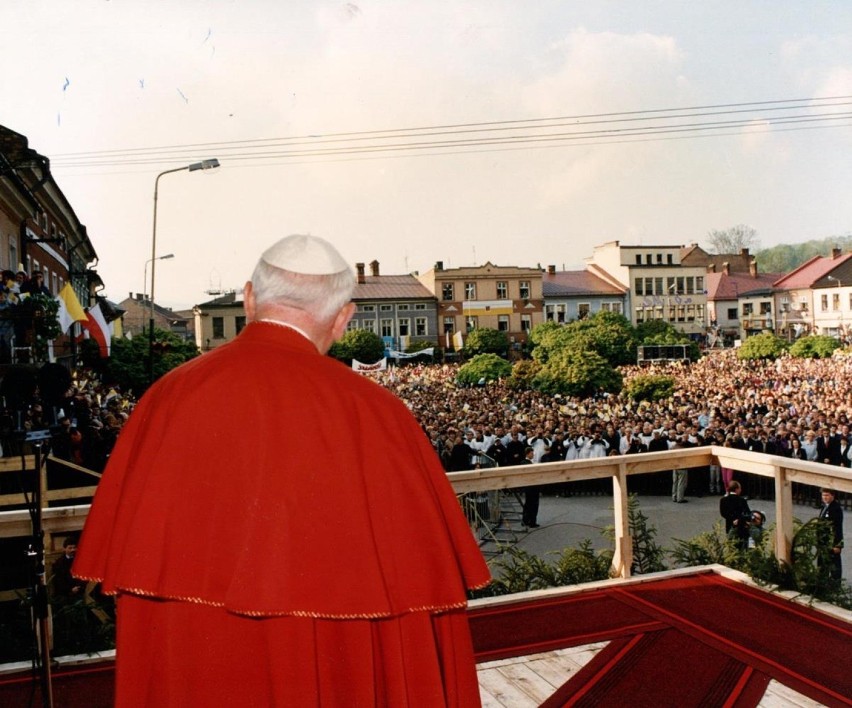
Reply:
x=439 y=265
x=752 y=266
x=551 y=269
x=835 y=252
x=744 y=253
x=374 y=269
x=711 y=267
x=726 y=268
x=360 y=268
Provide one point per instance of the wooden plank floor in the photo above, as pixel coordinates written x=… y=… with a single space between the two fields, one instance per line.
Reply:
x=528 y=681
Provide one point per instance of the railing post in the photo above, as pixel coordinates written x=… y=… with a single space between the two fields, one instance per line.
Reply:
x=622 y=561
x=783 y=515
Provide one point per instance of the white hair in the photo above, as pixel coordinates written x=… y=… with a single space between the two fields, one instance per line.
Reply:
x=321 y=296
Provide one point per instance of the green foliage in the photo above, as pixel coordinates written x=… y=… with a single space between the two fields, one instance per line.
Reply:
x=575 y=372
x=520 y=571
x=359 y=344
x=523 y=374
x=488 y=367
x=661 y=332
x=420 y=344
x=765 y=345
x=810 y=565
x=127 y=365
x=650 y=387
x=787 y=257
x=648 y=555
x=815 y=346
x=607 y=333
x=42 y=311
x=486 y=341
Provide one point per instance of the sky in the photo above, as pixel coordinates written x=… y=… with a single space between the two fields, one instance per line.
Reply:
x=116 y=91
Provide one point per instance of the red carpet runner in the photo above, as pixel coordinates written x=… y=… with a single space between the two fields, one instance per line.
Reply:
x=694 y=641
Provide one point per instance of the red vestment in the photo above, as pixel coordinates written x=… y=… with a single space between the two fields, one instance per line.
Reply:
x=279 y=531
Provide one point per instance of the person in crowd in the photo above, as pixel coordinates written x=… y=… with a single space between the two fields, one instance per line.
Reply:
x=832 y=513
x=532 y=496
x=231 y=589
x=66 y=588
x=680 y=477
x=733 y=507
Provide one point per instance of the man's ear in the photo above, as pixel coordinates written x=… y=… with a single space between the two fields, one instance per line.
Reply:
x=342 y=319
x=249 y=302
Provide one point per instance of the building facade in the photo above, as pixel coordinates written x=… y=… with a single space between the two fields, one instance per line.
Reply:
x=506 y=298
x=219 y=320
x=577 y=294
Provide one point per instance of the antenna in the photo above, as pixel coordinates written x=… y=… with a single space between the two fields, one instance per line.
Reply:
x=217 y=288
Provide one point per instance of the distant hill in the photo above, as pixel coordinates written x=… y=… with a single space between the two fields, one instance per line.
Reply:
x=786 y=257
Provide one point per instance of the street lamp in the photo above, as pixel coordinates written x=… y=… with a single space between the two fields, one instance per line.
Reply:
x=145 y=277
x=203 y=165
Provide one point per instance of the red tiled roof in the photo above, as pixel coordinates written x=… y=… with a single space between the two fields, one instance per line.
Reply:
x=811 y=271
x=571 y=283
x=730 y=287
x=391 y=287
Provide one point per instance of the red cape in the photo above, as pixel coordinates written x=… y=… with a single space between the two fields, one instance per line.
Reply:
x=270 y=480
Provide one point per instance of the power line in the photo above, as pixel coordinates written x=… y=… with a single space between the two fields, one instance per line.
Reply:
x=477 y=135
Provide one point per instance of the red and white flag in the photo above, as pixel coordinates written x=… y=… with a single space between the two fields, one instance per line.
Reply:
x=98 y=329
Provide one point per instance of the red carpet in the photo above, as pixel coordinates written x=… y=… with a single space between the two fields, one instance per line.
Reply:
x=699 y=640
x=78 y=687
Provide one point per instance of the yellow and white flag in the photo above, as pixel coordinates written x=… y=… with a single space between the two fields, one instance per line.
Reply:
x=70 y=309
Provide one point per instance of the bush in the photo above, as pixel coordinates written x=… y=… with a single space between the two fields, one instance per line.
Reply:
x=814 y=347
x=486 y=341
x=482 y=368
x=762 y=346
x=650 y=387
x=359 y=344
x=574 y=372
x=523 y=374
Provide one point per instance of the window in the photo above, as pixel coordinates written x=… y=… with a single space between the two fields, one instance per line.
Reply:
x=502 y=323
x=385 y=308
x=658 y=286
x=471 y=322
x=679 y=281
x=218 y=328
x=611 y=307
x=824 y=302
x=640 y=314
x=524 y=286
x=699 y=284
x=638 y=285
x=404 y=327
x=387 y=328
x=669 y=259
x=420 y=327
x=690 y=285
x=638 y=259
x=648 y=259
x=670 y=285
x=583 y=310
x=555 y=313
x=365 y=308
x=835 y=301
x=732 y=313
x=659 y=258
x=765 y=308
x=748 y=308
x=240 y=323
x=420 y=306
x=447 y=291
x=649 y=286
x=470 y=291
x=369 y=325
x=402 y=307
x=449 y=325
x=502 y=290
x=352 y=324
x=526 y=323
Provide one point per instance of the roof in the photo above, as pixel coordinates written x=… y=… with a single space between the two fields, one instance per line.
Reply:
x=811 y=271
x=736 y=285
x=391 y=287
x=229 y=298
x=573 y=283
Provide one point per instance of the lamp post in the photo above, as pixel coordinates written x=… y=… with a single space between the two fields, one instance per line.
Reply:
x=203 y=165
x=145 y=277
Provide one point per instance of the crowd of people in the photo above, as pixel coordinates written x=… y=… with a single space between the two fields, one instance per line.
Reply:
x=15 y=288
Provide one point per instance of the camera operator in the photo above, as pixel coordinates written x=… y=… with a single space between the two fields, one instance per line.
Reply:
x=733 y=507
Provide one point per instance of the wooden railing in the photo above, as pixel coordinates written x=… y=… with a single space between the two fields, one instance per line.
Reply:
x=784 y=471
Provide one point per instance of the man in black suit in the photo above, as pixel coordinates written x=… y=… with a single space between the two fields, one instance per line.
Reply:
x=832 y=512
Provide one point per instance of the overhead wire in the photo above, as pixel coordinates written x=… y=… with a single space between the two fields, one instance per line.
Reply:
x=472 y=137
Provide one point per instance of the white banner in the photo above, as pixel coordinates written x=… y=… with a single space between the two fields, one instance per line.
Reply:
x=380 y=365
x=406 y=355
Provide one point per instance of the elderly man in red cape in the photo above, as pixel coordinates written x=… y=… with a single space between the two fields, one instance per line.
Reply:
x=278 y=529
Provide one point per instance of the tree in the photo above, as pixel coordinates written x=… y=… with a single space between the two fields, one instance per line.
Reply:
x=127 y=364
x=607 y=333
x=762 y=346
x=577 y=372
x=815 y=346
x=486 y=341
x=733 y=239
x=359 y=344
x=523 y=374
x=482 y=368
x=649 y=387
